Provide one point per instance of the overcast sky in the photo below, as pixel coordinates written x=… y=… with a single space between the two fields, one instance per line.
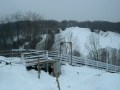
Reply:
x=80 y=10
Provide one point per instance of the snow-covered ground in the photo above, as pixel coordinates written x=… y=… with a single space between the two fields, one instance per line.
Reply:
x=16 y=77
x=80 y=37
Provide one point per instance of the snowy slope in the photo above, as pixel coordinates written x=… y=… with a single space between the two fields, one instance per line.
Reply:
x=84 y=78
x=80 y=36
x=16 y=77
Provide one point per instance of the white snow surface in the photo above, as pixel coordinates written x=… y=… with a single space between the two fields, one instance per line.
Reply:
x=80 y=36
x=16 y=77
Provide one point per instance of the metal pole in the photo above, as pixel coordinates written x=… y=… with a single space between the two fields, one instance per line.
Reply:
x=60 y=51
x=107 y=62
x=61 y=43
x=56 y=75
x=47 y=61
x=60 y=48
x=71 y=52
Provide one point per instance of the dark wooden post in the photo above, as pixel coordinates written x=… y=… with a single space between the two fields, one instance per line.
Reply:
x=56 y=75
x=61 y=43
x=47 y=61
x=12 y=52
x=38 y=68
x=71 y=52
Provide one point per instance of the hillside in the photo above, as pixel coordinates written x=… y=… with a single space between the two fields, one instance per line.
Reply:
x=80 y=37
x=98 y=45
x=15 y=76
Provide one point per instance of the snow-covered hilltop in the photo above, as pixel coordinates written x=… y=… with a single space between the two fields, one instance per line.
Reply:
x=97 y=45
x=80 y=37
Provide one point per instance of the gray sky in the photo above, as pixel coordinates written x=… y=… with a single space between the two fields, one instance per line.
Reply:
x=80 y=10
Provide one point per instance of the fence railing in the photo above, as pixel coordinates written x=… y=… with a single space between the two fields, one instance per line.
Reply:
x=34 y=55
x=15 y=52
x=78 y=61
x=31 y=58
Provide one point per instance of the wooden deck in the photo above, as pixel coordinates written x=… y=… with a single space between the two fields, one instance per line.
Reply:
x=32 y=58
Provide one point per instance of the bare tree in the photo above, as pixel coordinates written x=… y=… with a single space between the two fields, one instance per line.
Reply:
x=57 y=40
x=68 y=38
x=6 y=33
x=32 y=16
x=5 y=19
x=114 y=56
x=33 y=28
x=93 y=46
x=118 y=57
x=17 y=17
x=103 y=54
x=76 y=53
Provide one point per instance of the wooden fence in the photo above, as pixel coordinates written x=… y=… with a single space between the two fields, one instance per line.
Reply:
x=12 y=53
x=31 y=58
x=78 y=61
x=34 y=55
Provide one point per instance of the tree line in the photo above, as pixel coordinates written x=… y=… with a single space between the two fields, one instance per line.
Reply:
x=18 y=28
x=93 y=25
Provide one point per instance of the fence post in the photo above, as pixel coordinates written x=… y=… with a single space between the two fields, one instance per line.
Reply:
x=85 y=62
x=22 y=58
x=47 y=60
x=56 y=75
x=115 y=68
x=12 y=52
x=107 y=65
x=97 y=64
x=46 y=55
x=60 y=57
x=38 y=68
x=71 y=52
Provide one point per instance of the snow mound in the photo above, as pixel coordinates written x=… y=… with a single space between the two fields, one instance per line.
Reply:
x=17 y=78
x=80 y=36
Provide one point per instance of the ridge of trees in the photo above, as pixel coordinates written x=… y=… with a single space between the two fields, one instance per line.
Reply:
x=19 y=28
x=93 y=25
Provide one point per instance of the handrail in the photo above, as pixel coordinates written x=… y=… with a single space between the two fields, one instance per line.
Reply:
x=77 y=61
